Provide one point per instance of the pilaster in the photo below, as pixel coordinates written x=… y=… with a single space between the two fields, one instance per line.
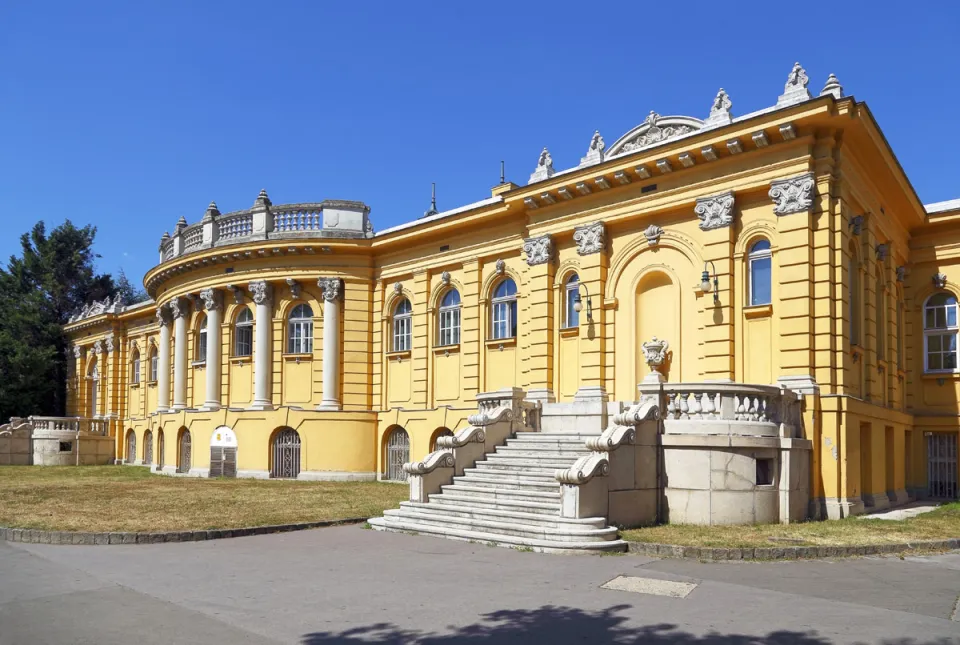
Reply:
x=541 y=273
x=422 y=343
x=592 y=248
x=716 y=214
x=470 y=329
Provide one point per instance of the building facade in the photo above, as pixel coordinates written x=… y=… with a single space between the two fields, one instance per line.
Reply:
x=785 y=246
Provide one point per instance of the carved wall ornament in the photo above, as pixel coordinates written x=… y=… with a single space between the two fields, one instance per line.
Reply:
x=594 y=150
x=544 y=169
x=901 y=273
x=940 y=280
x=539 y=250
x=260 y=291
x=856 y=224
x=211 y=299
x=77 y=351
x=294 y=288
x=163 y=316
x=398 y=288
x=720 y=110
x=655 y=352
x=109 y=344
x=445 y=278
x=331 y=288
x=795 y=90
x=97 y=347
x=590 y=238
x=883 y=250
x=237 y=293
x=500 y=267
x=653 y=233
x=715 y=211
x=792 y=195
x=179 y=307
x=655 y=132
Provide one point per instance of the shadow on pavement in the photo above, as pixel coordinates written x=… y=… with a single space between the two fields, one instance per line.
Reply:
x=558 y=625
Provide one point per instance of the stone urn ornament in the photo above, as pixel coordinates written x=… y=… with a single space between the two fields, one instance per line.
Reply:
x=655 y=352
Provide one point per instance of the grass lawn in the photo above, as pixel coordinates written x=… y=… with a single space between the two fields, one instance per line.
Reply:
x=942 y=523
x=130 y=498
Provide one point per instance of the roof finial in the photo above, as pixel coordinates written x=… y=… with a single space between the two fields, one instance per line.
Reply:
x=594 y=150
x=181 y=224
x=795 y=90
x=544 y=169
x=212 y=212
x=503 y=177
x=832 y=87
x=262 y=199
x=433 y=200
x=720 y=110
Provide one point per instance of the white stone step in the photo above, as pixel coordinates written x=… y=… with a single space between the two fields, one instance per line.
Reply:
x=540 y=545
x=549 y=438
x=519 y=517
x=533 y=471
x=488 y=493
x=501 y=503
x=503 y=527
x=529 y=450
x=502 y=483
x=552 y=462
x=531 y=475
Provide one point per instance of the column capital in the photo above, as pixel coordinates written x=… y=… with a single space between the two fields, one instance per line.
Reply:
x=179 y=307
x=715 y=211
x=163 y=316
x=590 y=238
x=539 y=250
x=793 y=194
x=212 y=299
x=331 y=288
x=261 y=291
x=77 y=351
x=97 y=347
x=109 y=344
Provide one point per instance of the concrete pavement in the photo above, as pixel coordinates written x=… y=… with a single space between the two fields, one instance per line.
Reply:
x=348 y=585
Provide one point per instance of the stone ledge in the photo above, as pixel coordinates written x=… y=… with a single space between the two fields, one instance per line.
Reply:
x=36 y=536
x=786 y=552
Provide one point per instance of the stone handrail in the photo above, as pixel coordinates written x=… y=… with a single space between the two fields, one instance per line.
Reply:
x=584 y=469
x=436 y=459
x=736 y=403
x=70 y=424
x=470 y=434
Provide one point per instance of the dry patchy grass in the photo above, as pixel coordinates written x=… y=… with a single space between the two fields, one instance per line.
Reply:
x=128 y=498
x=942 y=523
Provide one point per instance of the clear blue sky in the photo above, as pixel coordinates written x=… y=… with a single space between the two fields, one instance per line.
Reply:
x=128 y=115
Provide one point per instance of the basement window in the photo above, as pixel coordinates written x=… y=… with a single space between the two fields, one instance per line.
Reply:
x=66 y=446
x=765 y=472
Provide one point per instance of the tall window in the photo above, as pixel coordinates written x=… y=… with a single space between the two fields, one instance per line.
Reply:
x=135 y=368
x=940 y=332
x=571 y=317
x=854 y=297
x=243 y=333
x=760 y=273
x=881 y=317
x=505 y=310
x=201 y=354
x=450 y=318
x=154 y=364
x=300 y=330
x=402 y=326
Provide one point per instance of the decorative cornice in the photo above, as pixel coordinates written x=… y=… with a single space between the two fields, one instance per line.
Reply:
x=331 y=288
x=715 y=211
x=590 y=238
x=793 y=194
x=539 y=250
x=211 y=299
x=260 y=290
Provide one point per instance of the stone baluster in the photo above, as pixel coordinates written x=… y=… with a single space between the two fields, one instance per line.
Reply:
x=262 y=294
x=331 y=343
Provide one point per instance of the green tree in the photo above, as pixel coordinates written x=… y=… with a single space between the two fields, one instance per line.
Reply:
x=53 y=277
x=130 y=294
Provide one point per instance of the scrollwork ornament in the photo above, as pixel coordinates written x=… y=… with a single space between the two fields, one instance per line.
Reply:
x=539 y=250
x=211 y=299
x=260 y=291
x=715 y=212
x=500 y=267
x=590 y=238
x=653 y=233
x=792 y=195
x=330 y=287
x=179 y=307
x=940 y=280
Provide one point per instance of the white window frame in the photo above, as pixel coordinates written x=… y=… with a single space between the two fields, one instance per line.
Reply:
x=136 y=369
x=752 y=257
x=571 y=317
x=246 y=337
x=503 y=314
x=154 y=365
x=300 y=330
x=201 y=350
x=449 y=321
x=946 y=331
x=402 y=327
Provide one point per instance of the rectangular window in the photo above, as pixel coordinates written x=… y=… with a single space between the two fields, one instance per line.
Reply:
x=401 y=334
x=942 y=351
x=202 y=347
x=505 y=320
x=66 y=446
x=301 y=338
x=450 y=326
x=765 y=472
x=154 y=367
x=760 y=280
x=573 y=316
x=244 y=344
x=136 y=372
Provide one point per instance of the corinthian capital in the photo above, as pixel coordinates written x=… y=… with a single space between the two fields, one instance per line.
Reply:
x=331 y=288
x=211 y=299
x=260 y=291
x=163 y=316
x=179 y=307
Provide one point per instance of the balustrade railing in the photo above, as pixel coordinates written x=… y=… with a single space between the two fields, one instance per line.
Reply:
x=70 y=424
x=299 y=217
x=235 y=226
x=192 y=238
x=731 y=402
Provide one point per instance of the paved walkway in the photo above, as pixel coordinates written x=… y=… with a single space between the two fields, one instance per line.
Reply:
x=902 y=512
x=350 y=585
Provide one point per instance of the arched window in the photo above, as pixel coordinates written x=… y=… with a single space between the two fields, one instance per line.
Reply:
x=440 y=432
x=285 y=462
x=854 y=296
x=148 y=447
x=398 y=453
x=131 y=447
x=201 y=344
x=300 y=330
x=450 y=318
x=504 y=316
x=571 y=290
x=940 y=333
x=135 y=368
x=881 y=317
x=154 y=365
x=243 y=333
x=402 y=326
x=759 y=261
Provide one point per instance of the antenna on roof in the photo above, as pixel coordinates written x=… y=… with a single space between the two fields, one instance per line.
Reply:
x=433 y=200
x=503 y=178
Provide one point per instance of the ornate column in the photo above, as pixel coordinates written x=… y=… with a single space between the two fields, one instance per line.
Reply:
x=262 y=296
x=213 y=303
x=331 y=343
x=179 y=307
x=163 y=360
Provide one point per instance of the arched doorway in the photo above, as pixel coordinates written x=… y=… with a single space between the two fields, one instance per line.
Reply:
x=285 y=449
x=131 y=447
x=439 y=432
x=185 y=452
x=160 y=450
x=223 y=453
x=398 y=453
x=148 y=447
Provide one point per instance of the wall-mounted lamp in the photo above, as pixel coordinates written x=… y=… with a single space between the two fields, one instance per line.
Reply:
x=578 y=302
x=706 y=285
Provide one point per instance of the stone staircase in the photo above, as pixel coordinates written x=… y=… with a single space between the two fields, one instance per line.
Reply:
x=510 y=497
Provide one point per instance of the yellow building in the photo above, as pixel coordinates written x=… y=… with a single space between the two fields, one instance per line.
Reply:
x=785 y=246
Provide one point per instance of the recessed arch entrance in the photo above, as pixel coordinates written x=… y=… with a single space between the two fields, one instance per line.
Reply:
x=131 y=446
x=396 y=452
x=285 y=454
x=148 y=447
x=184 y=451
x=223 y=452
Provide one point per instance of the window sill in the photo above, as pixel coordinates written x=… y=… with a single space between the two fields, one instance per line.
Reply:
x=198 y=364
x=151 y=384
x=569 y=332
x=399 y=356
x=134 y=386
x=297 y=358
x=447 y=349
x=500 y=343
x=948 y=375
x=856 y=352
x=758 y=311
x=240 y=360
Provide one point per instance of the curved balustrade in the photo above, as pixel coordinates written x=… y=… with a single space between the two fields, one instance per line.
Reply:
x=70 y=424
x=732 y=404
